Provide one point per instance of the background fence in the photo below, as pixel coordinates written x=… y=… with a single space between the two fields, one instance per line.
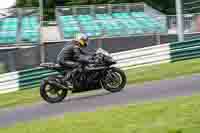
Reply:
x=191 y=23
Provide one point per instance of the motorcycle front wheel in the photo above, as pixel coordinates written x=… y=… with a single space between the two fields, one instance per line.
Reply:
x=114 y=80
x=52 y=94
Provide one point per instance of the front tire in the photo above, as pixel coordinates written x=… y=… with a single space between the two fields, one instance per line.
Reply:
x=61 y=93
x=114 y=75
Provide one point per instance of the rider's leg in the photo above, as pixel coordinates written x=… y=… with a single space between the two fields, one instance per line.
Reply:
x=68 y=75
x=71 y=68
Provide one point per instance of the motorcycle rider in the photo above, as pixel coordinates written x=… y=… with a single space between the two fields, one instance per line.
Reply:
x=72 y=56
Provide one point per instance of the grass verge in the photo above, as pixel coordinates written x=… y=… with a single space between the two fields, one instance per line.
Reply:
x=175 y=116
x=19 y=98
x=139 y=75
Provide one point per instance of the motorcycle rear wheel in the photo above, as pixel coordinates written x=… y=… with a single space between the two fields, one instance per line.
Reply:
x=115 y=80
x=44 y=93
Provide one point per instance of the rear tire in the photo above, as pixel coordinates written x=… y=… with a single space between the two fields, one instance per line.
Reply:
x=45 y=96
x=122 y=84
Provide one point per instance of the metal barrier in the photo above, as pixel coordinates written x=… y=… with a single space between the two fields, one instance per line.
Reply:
x=185 y=50
x=31 y=78
x=190 y=21
x=143 y=56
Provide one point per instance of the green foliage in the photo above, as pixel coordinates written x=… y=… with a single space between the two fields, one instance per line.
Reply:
x=49 y=6
x=27 y=3
x=20 y=3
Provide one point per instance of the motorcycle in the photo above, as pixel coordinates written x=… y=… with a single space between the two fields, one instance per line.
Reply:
x=87 y=77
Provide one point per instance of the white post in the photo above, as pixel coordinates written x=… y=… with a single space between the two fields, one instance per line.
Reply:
x=42 y=47
x=180 y=20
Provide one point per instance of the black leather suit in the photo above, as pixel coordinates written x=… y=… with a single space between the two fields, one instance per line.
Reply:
x=71 y=57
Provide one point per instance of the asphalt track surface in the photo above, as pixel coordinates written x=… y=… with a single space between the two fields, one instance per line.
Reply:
x=150 y=91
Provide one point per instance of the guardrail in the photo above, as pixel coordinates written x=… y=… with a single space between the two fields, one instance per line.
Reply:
x=165 y=53
x=144 y=56
x=185 y=50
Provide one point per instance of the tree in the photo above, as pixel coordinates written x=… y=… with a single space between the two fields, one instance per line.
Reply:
x=20 y=3
x=166 y=6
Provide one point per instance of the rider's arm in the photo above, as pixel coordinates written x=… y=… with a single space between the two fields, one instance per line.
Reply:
x=86 y=53
x=80 y=57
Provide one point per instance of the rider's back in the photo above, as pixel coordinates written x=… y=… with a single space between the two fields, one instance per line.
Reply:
x=66 y=53
x=72 y=52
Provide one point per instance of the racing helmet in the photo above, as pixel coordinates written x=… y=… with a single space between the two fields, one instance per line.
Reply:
x=82 y=39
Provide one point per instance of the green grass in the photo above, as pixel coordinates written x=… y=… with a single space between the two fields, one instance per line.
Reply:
x=164 y=71
x=139 y=75
x=2 y=68
x=19 y=98
x=180 y=115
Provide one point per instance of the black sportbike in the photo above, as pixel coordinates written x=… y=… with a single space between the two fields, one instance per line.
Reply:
x=86 y=77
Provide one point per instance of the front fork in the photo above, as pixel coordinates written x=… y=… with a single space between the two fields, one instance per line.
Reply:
x=104 y=74
x=110 y=77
